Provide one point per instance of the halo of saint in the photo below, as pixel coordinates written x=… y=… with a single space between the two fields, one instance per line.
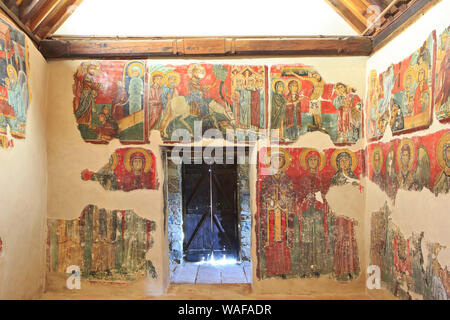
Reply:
x=201 y=72
x=275 y=84
x=131 y=154
x=443 y=145
x=376 y=151
x=170 y=75
x=131 y=67
x=412 y=152
x=338 y=152
x=282 y=165
x=307 y=153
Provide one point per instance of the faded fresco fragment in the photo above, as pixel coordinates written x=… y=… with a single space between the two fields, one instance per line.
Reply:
x=298 y=236
x=221 y=96
x=303 y=102
x=402 y=96
x=15 y=95
x=412 y=164
x=401 y=261
x=442 y=100
x=106 y=245
x=109 y=101
x=128 y=169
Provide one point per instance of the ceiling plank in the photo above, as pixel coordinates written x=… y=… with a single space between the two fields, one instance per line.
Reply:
x=403 y=20
x=19 y=23
x=56 y=17
x=37 y=12
x=126 y=48
x=381 y=15
x=357 y=23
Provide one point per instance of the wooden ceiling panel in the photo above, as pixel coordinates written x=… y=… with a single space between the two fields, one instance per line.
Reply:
x=39 y=19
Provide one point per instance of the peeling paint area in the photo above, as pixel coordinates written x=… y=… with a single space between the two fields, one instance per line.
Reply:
x=108 y=245
x=401 y=258
x=298 y=234
x=1 y=247
x=128 y=169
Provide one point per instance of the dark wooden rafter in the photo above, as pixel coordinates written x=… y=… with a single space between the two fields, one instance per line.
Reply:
x=406 y=16
x=349 y=13
x=39 y=18
x=122 y=48
x=56 y=17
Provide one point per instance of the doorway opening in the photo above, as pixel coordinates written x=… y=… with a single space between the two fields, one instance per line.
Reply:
x=209 y=221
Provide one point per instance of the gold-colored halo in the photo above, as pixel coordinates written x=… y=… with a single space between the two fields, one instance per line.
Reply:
x=425 y=69
x=410 y=71
x=299 y=83
x=132 y=65
x=129 y=154
x=337 y=152
x=275 y=81
x=10 y=68
x=156 y=73
x=170 y=74
x=305 y=153
x=376 y=149
x=286 y=155
x=443 y=142
x=202 y=72
x=412 y=149
x=112 y=164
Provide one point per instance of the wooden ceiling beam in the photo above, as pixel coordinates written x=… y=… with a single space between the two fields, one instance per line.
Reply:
x=56 y=17
x=126 y=48
x=19 y=23
x=38 y=12
x=356 y=22
x=405 y=18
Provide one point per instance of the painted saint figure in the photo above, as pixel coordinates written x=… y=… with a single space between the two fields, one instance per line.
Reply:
x=377 y=164
x=391 y=182
x=293 y=110
x=278 y=117
x=344 y=162
x=89 y=91
x=136 y=88
x=154 y=98
x=108 y=128
x=277 y=200
x=312 y=219
x=405 y=159
x=198 y=101
x=442 y=183
x=138 y=163
x=343 y=103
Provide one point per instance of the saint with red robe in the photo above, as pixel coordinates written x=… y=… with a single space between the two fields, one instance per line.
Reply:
x=277 y=199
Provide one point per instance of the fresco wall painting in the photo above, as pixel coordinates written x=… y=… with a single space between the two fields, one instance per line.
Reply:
x=221 y=96
x=442 y=97
x=15 y=94
x=108 y=245
x=109 y=101
x=402 y=96
x=401 y=260
x=412 y=164
x=302 y=101
x=298 y=236
x=128 y=169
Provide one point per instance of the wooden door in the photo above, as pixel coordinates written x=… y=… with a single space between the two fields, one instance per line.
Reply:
x=210 y=215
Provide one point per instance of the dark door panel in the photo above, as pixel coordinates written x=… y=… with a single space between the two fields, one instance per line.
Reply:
x=209 y=230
